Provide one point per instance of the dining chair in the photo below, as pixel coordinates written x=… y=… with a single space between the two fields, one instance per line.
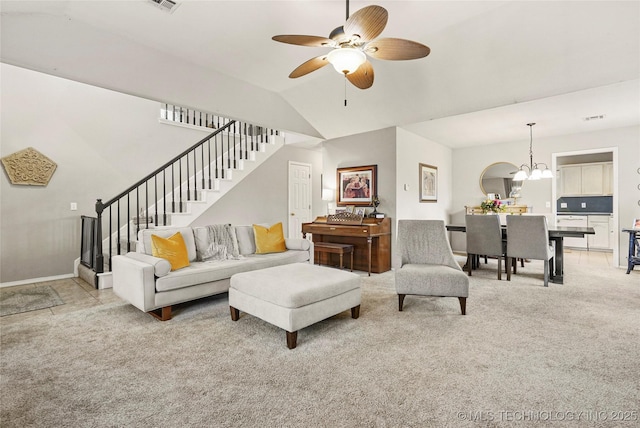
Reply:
x=484 y=238
x=425 y=265
x=528 y=238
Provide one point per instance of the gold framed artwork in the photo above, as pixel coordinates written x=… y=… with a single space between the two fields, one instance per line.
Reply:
x=356 y=185
x=428 y=183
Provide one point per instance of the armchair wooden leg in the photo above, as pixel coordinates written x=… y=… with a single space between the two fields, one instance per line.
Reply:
x=499 y=268
x=463 y=305
x=509 y=263
x=400 y=301
x=469 y=263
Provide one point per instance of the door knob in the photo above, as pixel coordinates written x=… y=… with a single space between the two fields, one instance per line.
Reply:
x=293 y=214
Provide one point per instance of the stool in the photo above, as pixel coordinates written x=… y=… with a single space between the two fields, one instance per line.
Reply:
x=334 y=248
x=294 y=296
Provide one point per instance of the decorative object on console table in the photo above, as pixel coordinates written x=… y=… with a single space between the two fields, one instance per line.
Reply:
x=428 y=183
x=375 y=202
x=371 y=241
x=508 y=209
x=356 y=185
x=492 y=206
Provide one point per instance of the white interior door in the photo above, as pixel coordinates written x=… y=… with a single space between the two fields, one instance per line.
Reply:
x=299 y=197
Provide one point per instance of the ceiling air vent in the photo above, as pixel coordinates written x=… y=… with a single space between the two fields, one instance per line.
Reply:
x=166 y=5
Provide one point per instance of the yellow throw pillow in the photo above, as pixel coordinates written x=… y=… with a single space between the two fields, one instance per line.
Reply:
x=269 y=240
x=172 y=249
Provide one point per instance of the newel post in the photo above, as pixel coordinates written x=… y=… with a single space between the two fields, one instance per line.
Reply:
x=99 y=266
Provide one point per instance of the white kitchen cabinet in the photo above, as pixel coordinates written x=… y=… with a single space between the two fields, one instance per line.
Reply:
x=607 y=178
x=601 y=225
x=571 y=180
x=593 y=179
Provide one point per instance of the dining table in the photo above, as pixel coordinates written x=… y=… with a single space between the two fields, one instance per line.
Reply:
x=556 y=235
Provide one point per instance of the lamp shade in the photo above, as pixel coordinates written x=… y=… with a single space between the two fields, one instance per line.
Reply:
x=520 y=175
x=346 y=60
x=536 y=174
x=547 y=173
x=327 y=195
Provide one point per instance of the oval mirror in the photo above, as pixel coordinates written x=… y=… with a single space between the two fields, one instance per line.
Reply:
x=497 y=178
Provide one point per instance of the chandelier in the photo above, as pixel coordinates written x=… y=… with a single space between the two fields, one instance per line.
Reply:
x=535 y=173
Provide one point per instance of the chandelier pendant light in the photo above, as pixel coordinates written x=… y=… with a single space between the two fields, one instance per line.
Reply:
x=535 y=173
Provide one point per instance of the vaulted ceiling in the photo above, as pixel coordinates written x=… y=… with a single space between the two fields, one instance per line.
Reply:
x=494 y=65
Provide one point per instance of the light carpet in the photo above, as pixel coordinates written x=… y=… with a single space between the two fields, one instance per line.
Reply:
x=566 y=355
x=28 y=299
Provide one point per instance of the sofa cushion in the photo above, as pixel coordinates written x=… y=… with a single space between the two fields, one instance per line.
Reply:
x=171 y=249
x=246 y=240
x=144 y=239
x=202 y=272
x=216 y=242
x=269 y=239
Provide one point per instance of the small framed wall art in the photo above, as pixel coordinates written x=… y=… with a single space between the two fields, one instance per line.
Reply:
x=428 y=183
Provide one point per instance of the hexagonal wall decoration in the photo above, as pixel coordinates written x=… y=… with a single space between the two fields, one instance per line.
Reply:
x=29 y=167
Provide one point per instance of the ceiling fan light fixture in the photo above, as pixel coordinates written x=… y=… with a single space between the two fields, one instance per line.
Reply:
x=346 y=60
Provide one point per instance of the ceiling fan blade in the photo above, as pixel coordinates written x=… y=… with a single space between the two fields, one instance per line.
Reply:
x=301 y=40
x=363 y=76
x=396 y=49
x=367 y=22
x=307 y=67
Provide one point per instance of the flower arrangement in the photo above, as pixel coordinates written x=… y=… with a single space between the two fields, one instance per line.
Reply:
x=492 y=205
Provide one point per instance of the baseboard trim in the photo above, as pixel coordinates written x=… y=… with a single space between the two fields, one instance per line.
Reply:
x=34 y=280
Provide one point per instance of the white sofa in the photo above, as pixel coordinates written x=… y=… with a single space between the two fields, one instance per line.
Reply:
x=148 y=283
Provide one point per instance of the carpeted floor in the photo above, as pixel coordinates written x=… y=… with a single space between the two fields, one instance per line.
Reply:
x=524 y=355
x=26 y=300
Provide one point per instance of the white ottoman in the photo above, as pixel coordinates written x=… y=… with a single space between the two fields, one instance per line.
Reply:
x=294 y=296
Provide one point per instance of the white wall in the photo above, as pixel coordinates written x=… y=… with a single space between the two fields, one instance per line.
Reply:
x=370 y=148
x=102 y=142
x=411 y=151
x=468 y=164
x=262 y=197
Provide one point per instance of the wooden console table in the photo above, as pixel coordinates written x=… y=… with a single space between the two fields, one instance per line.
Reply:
x=634 y=248
x=371 y=241
x=508 y=209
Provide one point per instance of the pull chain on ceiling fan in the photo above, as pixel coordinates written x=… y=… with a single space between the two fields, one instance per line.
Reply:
x=352 y=43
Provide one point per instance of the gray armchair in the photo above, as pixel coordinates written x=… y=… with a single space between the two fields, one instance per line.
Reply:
x=425 y=265
x=484 y=238
x=528 y=238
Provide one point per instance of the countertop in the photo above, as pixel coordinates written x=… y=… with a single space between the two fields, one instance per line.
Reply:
x=583 y=213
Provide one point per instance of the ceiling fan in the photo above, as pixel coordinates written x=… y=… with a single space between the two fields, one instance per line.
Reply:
x=352 y=42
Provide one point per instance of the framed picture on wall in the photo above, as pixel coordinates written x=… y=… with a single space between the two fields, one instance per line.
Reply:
x=428 y=183
x=356 y=185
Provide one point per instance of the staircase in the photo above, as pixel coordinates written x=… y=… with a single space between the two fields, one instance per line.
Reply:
x=175 y=194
